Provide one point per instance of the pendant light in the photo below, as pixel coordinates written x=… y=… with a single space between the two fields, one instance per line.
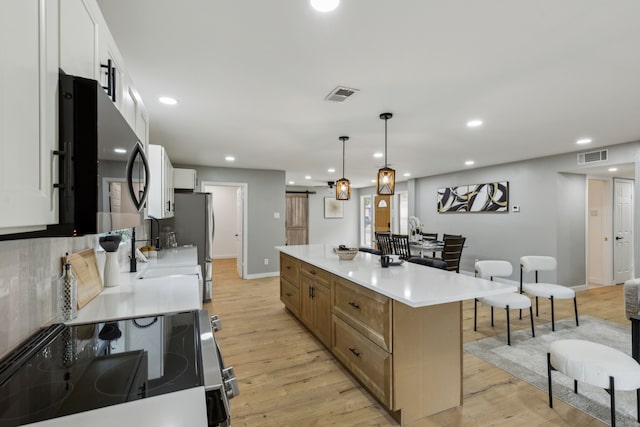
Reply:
x=386 y=182
x=343 y=186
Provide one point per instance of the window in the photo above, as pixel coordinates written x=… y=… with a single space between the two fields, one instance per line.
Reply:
x=366 y=221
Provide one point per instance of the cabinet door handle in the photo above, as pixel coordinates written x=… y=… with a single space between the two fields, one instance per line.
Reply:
x=310 y=291
x=354 y=305
x=289 y=294
x=354 y=351
x=313 y=292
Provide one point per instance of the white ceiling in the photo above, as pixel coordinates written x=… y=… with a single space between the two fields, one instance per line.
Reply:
x=251 y=75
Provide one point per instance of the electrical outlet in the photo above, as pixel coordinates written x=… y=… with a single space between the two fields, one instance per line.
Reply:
x=266 y=261
x=515 y=208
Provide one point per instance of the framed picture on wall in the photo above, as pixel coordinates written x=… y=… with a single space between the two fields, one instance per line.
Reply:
x=333 y=208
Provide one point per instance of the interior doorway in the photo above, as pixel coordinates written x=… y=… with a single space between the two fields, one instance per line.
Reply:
x=382 y=217
x=599 y=226
x=230 y=215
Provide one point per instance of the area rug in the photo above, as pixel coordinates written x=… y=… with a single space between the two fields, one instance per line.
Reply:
x=526 y=359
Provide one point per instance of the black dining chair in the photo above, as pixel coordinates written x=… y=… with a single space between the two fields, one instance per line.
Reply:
x=370 y=250
x=452 y=252
x=385 y=246
x=401 y=245
x=430 y=236
x=429 y=262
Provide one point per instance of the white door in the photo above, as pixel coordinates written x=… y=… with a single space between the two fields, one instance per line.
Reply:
x=239 y=224
x=623 y=230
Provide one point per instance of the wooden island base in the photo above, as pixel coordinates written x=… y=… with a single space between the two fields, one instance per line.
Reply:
x=410 y=359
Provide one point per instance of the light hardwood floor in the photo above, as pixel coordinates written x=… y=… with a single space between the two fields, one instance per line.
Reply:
x=287 y=378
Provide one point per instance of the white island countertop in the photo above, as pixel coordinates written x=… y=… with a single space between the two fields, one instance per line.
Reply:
x=412 y=284
x=136 y=297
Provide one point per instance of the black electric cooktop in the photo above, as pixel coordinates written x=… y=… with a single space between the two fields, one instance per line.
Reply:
x=64 y=370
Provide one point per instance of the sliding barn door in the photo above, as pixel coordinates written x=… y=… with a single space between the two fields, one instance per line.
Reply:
x=297 y=220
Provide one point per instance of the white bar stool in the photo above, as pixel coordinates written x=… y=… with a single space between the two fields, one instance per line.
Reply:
x=545 y=290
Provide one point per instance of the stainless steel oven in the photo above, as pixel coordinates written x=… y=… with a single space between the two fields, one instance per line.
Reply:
x=65 y=371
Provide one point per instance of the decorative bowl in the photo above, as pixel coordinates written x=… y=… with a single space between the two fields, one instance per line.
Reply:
x=346 y=254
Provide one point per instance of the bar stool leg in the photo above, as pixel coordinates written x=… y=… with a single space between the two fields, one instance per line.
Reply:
x=612 y=391
x=638 y=403
x=533 y=331
x=549 y=379
x=491 y=315
x=575 y=308
x=575 y=386
x=553 y=320
x=508 y=328
x=475 y=314
x=536 y=306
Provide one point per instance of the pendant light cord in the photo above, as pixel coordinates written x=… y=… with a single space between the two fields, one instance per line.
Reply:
x=385 y=142
x=343 y=158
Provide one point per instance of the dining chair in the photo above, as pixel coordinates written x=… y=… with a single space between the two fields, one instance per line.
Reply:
x=370 y=250
x=545 y=290
x=446 y=236
x=488 y=270
x=429 y=262
x=430 y=236
x=384 y=243
x=452 y=251
x=401 y=245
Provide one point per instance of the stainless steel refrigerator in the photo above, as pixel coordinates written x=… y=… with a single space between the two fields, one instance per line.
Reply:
x=193 y=224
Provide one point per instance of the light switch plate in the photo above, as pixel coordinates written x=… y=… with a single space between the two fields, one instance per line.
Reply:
x=276 y=215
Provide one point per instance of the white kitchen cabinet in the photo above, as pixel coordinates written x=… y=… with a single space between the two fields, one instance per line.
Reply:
x=28 y=114
x=184 y=179
x=79 y=31
x=161 y=183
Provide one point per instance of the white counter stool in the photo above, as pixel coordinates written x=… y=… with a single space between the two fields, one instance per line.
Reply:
x=488 y=270
x=545 y=290
x=594 y=364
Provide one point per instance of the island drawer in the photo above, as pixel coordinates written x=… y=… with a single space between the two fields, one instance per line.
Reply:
x=289 y=268
x=366 y=311
x=317 y=273
x=290 y=295
x=367 y=362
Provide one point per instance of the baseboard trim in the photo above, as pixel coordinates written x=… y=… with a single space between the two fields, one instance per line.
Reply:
x=224 y=256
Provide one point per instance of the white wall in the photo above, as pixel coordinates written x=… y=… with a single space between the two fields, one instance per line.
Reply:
x=225 y=241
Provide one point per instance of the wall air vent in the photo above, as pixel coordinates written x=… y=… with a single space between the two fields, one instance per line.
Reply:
x=340 y=93
x=593 y=157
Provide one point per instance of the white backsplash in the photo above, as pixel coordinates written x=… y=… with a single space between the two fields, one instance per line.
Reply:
x=29 y=270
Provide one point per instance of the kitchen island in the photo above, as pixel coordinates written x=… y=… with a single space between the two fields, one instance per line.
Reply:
x=398 y=330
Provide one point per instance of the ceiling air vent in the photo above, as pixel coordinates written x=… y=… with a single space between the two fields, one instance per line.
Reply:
x=340 y=93
x=593 y=156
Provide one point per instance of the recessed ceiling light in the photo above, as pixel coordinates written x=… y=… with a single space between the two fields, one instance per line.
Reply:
x=474 y=123
x=324 y=5
x=406 y=174
x=612 y=169
x=583 y=141
x=378 y=155
x=469 y=162
x=291 y=182
x=230 y=159
x=331 y=170
x=373 y=180
x=120 y=150
x=307 y=177
x=167 y=100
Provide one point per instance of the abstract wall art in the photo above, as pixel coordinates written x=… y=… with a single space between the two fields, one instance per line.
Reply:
x=488 y=197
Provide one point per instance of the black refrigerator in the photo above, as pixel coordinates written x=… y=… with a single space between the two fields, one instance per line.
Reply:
x=193 y=224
